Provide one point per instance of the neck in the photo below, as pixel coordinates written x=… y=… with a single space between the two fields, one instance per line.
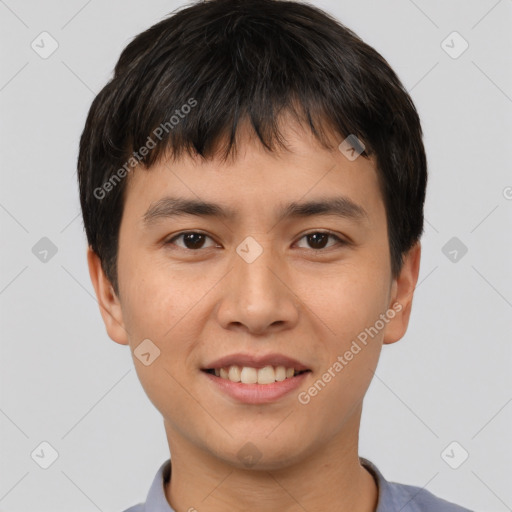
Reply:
x=329 y=478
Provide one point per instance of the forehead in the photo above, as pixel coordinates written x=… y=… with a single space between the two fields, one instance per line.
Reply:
x=253 y=178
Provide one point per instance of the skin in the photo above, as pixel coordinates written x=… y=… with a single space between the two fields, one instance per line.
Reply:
x=200 y=304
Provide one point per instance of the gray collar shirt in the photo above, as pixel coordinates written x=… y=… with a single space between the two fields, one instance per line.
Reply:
x=393 y=497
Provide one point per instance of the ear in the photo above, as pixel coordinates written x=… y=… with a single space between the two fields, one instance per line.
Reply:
x=402 y=291
x=110 y=307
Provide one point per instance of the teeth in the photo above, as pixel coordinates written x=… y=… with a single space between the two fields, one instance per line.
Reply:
x=234 y=374
x=248 y=375
x=280 y=373
x=266 y=375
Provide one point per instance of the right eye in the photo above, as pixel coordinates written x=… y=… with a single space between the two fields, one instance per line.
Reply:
x=192 y=240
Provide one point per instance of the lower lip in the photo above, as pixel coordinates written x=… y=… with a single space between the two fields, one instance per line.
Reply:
x=257 y=393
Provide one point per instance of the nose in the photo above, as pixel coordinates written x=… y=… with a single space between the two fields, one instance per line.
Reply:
x=257 y=296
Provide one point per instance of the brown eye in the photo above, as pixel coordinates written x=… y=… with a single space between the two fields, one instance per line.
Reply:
x=192 y=240
x=318 y=240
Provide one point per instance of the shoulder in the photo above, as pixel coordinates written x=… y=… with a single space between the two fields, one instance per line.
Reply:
x=155 y=500
x=409 y=498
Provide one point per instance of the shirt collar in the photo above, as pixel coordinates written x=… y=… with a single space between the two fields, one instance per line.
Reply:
x=157 y=502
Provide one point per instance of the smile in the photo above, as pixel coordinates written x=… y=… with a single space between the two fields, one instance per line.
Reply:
x=250 y=375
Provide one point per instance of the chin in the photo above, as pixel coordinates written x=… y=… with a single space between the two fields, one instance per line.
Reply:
x=259 y=453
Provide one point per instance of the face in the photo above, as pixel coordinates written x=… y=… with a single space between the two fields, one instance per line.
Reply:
x=261 y=281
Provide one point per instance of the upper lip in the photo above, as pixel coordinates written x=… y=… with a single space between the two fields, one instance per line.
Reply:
x=254 y=361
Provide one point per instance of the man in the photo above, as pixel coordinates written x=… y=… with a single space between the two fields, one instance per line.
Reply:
x=252 y=182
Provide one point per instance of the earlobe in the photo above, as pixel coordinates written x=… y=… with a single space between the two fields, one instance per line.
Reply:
x=110 y=307
x=402 y=295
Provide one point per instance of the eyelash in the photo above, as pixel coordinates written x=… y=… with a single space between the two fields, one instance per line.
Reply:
x=340 y=241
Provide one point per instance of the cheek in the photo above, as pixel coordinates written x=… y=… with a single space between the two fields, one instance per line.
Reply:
x=153 y=304
x=350 y=308
x=162 y=312
x=354 y=306
x=351 y=300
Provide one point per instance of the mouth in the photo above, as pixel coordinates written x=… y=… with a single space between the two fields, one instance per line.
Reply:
x=251 y=375
x=256 y=379
x=256 y=386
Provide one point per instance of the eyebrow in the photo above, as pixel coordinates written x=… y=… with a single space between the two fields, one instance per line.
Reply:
x=170 y=207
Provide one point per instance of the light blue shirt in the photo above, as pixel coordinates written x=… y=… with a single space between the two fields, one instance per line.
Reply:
x=393 y=497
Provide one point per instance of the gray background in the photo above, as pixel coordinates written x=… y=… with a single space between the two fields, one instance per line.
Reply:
x=65 y=382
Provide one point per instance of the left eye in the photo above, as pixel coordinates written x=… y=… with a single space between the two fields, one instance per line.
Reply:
x=194 y=240
x=318 y=239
